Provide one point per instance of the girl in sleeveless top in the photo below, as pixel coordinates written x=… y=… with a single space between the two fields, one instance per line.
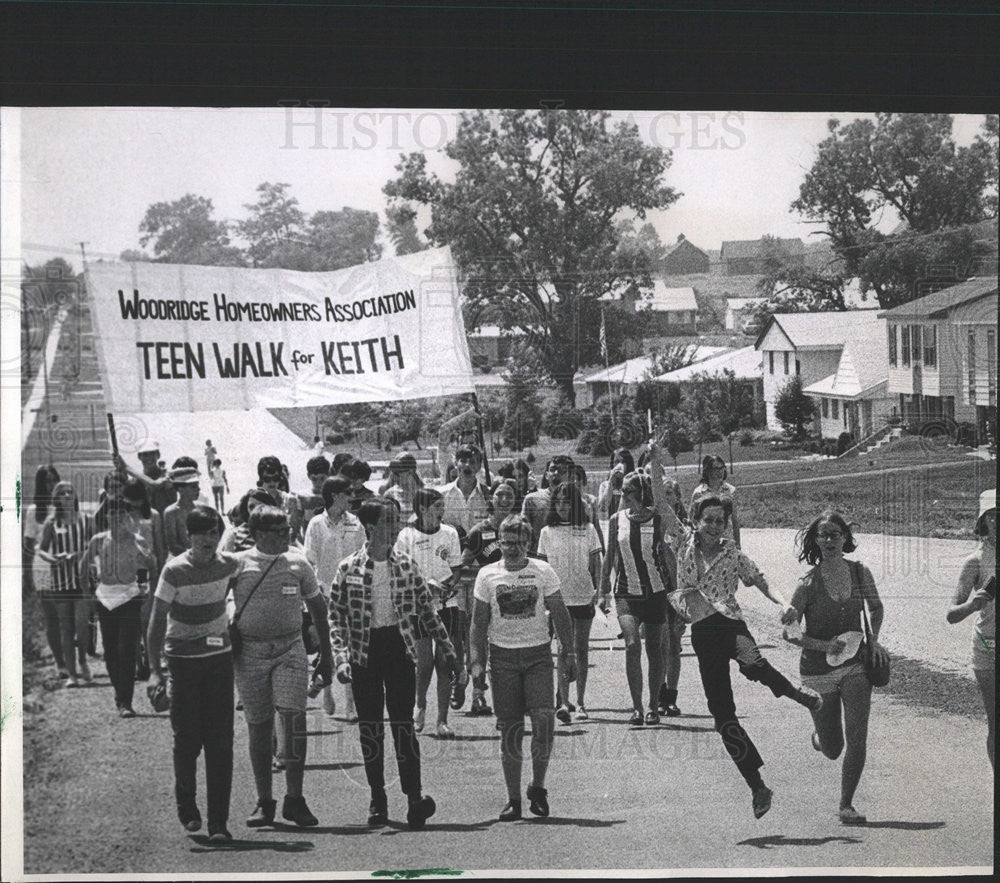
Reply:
x=830 y=597
x=35 y=516
x=977 y=592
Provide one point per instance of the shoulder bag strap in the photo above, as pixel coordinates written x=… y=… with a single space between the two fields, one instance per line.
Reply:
x=254 y=589
x=856 y=580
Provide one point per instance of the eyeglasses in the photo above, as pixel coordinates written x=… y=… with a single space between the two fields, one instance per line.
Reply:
x=713 y=520
x=829 y=535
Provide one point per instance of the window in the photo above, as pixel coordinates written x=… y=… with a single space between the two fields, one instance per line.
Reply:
x=930 y=345
x=826 y=407
x=835 y=408
x=892 y=346
x=770 y=360
x=991 y=365
x=915 y=336
x=972 y=366
x=845 y=413
x=786 y=362
x=905 y=330
x=798 y=367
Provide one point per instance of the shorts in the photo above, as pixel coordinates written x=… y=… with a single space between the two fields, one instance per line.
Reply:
x=984 y=653
x=581 y=611
x=521 y=680
x=651 y=610
x=271 y=674
x=830 y=682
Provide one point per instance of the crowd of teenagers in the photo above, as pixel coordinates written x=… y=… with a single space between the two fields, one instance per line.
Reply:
x=367 y=597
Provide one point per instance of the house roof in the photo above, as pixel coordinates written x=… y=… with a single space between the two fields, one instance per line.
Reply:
x=634 y=370
x=746 y=363
x=937 y=305
x=753 y=248
x=495 y=331
x=828 y=329
x=741 y=303
x=864 y=364
x=670 y=249
x=668 y=299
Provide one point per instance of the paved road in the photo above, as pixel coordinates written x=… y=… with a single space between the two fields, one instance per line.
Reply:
x=664 y=797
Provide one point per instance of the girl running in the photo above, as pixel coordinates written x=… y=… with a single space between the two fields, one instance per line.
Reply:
x=572 y=547
x=830 y=597
x=435 y=549
x=65 y=535
x=713 y=481
x=636 y=553
x=977 y=591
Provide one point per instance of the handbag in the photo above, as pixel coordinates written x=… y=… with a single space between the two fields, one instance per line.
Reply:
x=877 y=672
x=235 y=638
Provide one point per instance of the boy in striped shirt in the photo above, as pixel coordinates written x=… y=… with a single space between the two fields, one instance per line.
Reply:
x=189 y=610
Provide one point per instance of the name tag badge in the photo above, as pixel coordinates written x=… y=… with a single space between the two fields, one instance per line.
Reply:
x=291 y=589
x=355 y=581
x=215 y=641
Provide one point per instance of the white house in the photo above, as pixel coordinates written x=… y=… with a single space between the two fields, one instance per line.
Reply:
x=675 y=309
x=737 y=309
x=806 y=344
x=942 y=354
x=855 y=397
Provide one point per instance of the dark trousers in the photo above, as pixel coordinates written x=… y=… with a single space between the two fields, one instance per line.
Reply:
x=389 y=682
x=120 y=636
x=717 y=640
x=201 y=716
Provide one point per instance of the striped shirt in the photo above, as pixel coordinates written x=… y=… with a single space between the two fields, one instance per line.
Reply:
x=197 y=622
x=66 y=538
x=640 y=570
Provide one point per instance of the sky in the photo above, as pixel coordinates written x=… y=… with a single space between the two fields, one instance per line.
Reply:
x=89 y=174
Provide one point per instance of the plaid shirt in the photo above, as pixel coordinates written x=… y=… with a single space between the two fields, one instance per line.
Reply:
x=720 y=579
x=351 y=607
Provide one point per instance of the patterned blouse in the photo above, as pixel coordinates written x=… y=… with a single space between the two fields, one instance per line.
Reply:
x=719 y=580
x=351 y=607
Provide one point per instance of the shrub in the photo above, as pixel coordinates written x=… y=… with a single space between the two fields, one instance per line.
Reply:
x=746 y=438
x=844 y=441
x=562 y=422
x=335 y=438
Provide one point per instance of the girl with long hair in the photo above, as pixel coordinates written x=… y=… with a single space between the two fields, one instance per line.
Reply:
x=713 y=482
x=46 y=478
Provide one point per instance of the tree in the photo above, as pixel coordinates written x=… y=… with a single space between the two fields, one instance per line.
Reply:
x=184 y=232
x=133 y=255
x=402 y=224
x=700 y=410
x=794 y=409
x=907 y=163
x=522 y=411
x=531 y=216
x=675 y=434
x=274 y=228
x=344 y=238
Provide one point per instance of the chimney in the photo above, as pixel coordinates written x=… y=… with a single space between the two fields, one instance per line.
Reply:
x=680 y=237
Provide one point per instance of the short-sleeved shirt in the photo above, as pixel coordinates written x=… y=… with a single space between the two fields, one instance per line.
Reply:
x=197 y=622
x=719 y=578
x=568 y=548
x=329 y=542
x=826 y=617
x=517 y=602
x=536 y=509
x=275 y=610
x=461 y=511
x=434 y=553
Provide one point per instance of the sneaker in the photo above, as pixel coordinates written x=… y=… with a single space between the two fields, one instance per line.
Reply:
x=263 y=814
x=538 y=800
x=511 y=812
x=329 y=703
x=808 y=698
x=85 y=674
x=351 y=717
x=378 y=810
x=444 y=731
x=190 y=818
x=652 y=718
x=419 y=716
x=672 y=711
x=636 y=719
x=850 y=816
x=294 y=809
x=72 y=681
x=420 y=810
x=277 y=765
x=581 y=714
x=761 y=801
x=479 y=708
x=63 y=672
x=220 y=836
x=562 y=714
x=126 y=711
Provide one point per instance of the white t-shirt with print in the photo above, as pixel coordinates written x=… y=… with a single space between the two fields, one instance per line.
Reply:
x=517 y=602
x=434 y=553
x=567 y=549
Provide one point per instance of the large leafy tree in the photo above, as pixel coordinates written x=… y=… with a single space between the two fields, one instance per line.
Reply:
x=532 y=215
x=185 y=232
x=910 y=164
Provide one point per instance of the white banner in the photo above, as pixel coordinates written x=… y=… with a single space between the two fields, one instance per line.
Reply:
x=176 y=337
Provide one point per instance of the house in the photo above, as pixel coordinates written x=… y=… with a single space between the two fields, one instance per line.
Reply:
x=737 y=309
x=683 y=258
x=490 y=345
x=669 y=310
x=740 y=257
x=805 y=344
x=855 y=398
x=744 y=363
x=942 y=355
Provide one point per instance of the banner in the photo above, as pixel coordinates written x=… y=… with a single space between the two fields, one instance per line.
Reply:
x=176 y=337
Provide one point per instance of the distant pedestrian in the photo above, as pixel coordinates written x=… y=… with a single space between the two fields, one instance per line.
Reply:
x=610 y=492
x=830 y=597
x=535 y=507
x=404 y=481
x=210 y=455
x=189 y=611
x=311 y=498
x=509 y=628
x=977 y=592
x=237 y=537
x=359 y=472
x=379 y=605
x=186 y=481
x=709 y=570
x=465 y=497
x=271 y=477
x=220 y=484
x=713 y=481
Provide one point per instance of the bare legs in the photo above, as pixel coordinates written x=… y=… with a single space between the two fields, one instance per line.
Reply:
x=293 y=752
x=633 y=659
x=855 y=697
x=511 y=735
x=987 y=686
x=581 y=643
